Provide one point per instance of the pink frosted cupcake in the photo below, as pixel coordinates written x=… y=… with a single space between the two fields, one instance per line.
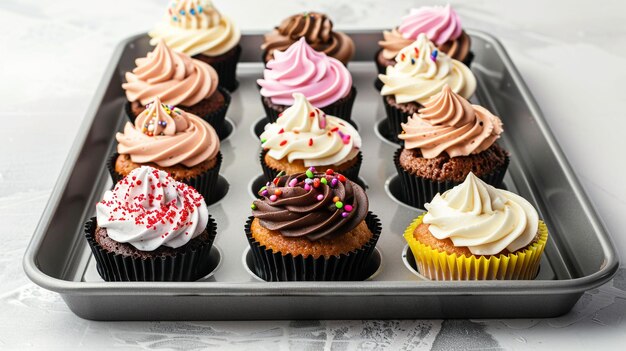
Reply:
x=323 y=80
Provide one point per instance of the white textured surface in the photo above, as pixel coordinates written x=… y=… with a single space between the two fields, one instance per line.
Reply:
x=572 y=56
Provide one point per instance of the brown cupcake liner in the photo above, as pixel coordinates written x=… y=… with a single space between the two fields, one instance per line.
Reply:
x=227 y=69
x=273 y=266
x=416 y=190
x=217 y=118
x=204 y=183
x=189 y=264
x=351 y=173
x=341 y=108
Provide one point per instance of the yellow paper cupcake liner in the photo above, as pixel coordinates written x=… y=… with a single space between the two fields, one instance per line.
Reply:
x=438 y=265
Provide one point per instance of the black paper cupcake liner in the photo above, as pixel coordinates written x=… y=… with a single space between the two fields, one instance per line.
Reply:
x=227 y=69
x=340 y=109
x=351 y=172
x=273 y=266
x=416 y=190
x=204 y=183
x=217 y=118
x=189 y=264
x=395 y=118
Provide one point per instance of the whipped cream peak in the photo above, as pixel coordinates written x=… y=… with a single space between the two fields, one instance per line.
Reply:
x=482 y=218
x=149 y=209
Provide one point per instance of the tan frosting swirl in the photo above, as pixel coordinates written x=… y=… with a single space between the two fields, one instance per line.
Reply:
x=317 y=29
x=168 y=136
x=196 y=27
x=393 y=41
x=449 y=123
x=175 y=78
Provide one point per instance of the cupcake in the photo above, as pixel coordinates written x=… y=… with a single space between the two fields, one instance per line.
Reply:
x=151 y=228
x=305 y=137
x=197 y=29
x=172 y=140
x=177 y=80
x=421 y=71
x=311 y=226
x=440 y=24
x=447 y=140
x=477 y=232
x=317 y=29
x=323 y=80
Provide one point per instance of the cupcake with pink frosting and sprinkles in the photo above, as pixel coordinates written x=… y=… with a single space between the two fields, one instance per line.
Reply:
x=150 y=227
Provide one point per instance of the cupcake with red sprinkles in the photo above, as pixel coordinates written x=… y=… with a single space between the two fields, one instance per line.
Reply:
x=151 y=227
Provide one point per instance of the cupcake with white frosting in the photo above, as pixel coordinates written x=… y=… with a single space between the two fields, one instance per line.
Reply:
x=477 y=232
x=304 y=137
x=150 y=227
x=196 y=28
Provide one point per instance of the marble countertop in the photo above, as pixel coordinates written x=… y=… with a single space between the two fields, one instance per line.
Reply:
x=572 y=57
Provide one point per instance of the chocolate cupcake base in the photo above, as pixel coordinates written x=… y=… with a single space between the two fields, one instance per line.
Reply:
x=188 y=263
x=273 y=266
x=351 y=172
x=226 y=67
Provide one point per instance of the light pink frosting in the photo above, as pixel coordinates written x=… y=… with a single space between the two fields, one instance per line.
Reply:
x=322 y=79
x=175 y=78
x=439 y=23
x=168 y=136
x=449 y=123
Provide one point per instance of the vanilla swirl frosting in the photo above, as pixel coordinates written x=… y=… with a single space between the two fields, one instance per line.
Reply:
x=317 y=29
x=306 y=133
x=148 y=209
x=323 y=80
x=196 y=27
x=168 y=136
x=449 y=123
x=421 y=71
x=482 y=218
x=175 y=78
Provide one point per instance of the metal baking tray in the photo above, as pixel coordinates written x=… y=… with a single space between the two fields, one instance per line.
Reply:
x=579 y=255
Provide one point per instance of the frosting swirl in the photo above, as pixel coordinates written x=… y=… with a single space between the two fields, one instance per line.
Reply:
x=317 y=29
x=148 y=209
x=421 y=71
x=196 y=27
x=439 y=23
x=482 y=218
x=175 y=78
x=300 y=69
x=304 y=132
x=449 y=123
x=393 y=41
x=167 y=136
x=308 y=207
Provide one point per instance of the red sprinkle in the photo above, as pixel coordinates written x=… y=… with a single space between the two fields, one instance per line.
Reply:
x=281 y=131
x=417 y=52
x=316 y=182
x=402 y=57
x=312 y=114
x=341 y=178
x=282 y=143
x=311 y=142
x=334 y=129
x=139 y=182
x=330 y=171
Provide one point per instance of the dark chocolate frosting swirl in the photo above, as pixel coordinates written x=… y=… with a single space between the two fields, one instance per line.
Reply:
x=317 y=29
x=298 y=205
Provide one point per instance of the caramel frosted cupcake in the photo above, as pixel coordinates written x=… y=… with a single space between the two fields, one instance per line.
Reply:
x=151 y=228
x=447 y=140
x=317 y=29
x=421 y=71
x=477 y=232
x=177 y=80
x=170 y=139
x=323 y=80
x=311 y=226
x=440 y=24
x=197 y=29
x=304 y=137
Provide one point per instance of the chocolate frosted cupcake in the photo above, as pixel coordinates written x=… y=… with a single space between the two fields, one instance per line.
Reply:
x=170 y=139
x=197 y=29
x=304 y=136
x=421 y=71
x=177 y=80
x=317 y=29
x=311 y=226
x=447 y=140
x=477 y=232
x=440 y=24
x=151 y=228
x=323 y=80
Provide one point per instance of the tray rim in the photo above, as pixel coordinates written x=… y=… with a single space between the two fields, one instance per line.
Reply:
x=378 y=288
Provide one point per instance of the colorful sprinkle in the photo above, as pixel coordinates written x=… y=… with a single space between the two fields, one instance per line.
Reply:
x=310 y=141
x=344 y=214
x=316 y=183
x=336 y=198
x=417 y=51
x=263 y=141
x=334 y=129
x=182 y=12
x=265 y=193
x=281 y=131
x=307 y=187
x=348 y=208
x=273 y=198
x=293 y=182
x=308 y=181
x=312 y=169
x=282 y=143
x=324 y=181
x=199 y=9
x=192 y=11
x=330 y=171
x=341 y=178
x=412 y=61
x=253 y=206
x=312 y=114
x=278 y=192
x=309 y=174
x=402 y=57
x=174 y=18
x=339 y=204
x=334 y=182
x=433 y=56
x=320 y=197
